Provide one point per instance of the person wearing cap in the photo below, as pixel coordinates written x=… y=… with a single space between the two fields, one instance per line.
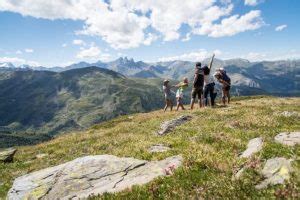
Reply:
x=179 y=94
x=167 y=93
x=197 y=85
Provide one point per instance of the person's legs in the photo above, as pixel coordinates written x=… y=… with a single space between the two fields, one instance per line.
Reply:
x=166 y=106
x=178 y=103
x=228 y=95
x=200 y=92
x=206 y=90
x=193 y=97
x=223 y=96
x=211 y=94
x=171 y=104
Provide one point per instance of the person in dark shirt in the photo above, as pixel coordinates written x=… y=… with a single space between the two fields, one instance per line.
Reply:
x=224 y=79
x=167 y=94
x=197 y=85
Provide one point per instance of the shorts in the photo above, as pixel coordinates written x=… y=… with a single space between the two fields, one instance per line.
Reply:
x=226 y=87
x=197 y=91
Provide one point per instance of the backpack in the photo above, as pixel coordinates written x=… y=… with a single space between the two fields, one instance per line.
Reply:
x=225 y=77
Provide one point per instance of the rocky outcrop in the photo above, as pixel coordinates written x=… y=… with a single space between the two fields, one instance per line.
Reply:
x=289 y=114
x=168 y=126
x=88 y=176
x=290 y=139
x=254 y=146
x=276 y=171
x=158 y=148
x=7 y=155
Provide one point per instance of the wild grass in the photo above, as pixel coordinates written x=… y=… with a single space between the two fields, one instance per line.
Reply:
x=210 y=144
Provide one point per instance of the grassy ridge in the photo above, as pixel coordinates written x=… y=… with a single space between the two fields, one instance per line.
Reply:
x=210 y=144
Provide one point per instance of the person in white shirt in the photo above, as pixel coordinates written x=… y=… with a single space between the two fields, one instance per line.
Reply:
x=209 y=83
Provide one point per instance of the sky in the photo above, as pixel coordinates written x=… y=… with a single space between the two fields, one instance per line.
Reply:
x=61 y=32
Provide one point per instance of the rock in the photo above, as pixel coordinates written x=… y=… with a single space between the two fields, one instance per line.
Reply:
x=289 y=114
x=254 y=146
x=158 y=148
x=276 y=171
x=239 y=174
x=290 y=139
x=88 y=176
x=7 y=155
x=42 y=155
x=168 y=126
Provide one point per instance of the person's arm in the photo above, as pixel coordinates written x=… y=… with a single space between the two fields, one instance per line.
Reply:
x=211 y=61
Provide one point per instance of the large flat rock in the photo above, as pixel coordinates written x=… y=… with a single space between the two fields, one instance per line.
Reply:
x=168 y=126
x=254 y=146
x=88 y=176
x=289 y=139
x=276 y=171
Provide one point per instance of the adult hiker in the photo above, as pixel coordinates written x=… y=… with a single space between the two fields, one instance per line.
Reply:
x=224 y=79
x=167 y=93
x=209 y=83
x=197 y=85
x=179 y=94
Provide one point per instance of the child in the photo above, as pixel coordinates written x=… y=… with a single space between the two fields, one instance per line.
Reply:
x=179 y=94
x=167 y=93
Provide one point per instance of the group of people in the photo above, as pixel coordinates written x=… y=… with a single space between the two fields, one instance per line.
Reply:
x=203 y=85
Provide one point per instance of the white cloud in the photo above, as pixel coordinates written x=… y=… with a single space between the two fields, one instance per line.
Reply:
x=79 y=42
x=191 y=56
x=131 y=23
x=18 y=61
x=232 y=25
x=281 y=27
x=150 y=38
x=252 y=2
x=29 y=50
x=19 y=52
x=93 y=53
x=64 y=45
x=271 y=56
x=187 y=37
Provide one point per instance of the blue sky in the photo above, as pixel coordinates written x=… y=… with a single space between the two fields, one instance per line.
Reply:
x=61 y=32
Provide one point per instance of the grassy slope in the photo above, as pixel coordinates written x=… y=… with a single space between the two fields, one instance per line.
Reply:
x=210 y=158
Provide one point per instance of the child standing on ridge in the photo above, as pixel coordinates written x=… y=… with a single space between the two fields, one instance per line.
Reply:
x=179 y=94
x=167 y=93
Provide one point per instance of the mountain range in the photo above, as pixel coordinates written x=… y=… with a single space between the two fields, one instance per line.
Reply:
x=269 y=77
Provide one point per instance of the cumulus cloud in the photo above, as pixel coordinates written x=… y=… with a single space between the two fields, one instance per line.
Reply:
x=29 y=50
x=79 y=42
x=18 y=61
x=64 y=45
x=131 y=23
x=232 y=25
x=94 y=53
x=19 y=52
x=281 y=27
x=252 y=2
x=191 y=56
x=271 y=56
